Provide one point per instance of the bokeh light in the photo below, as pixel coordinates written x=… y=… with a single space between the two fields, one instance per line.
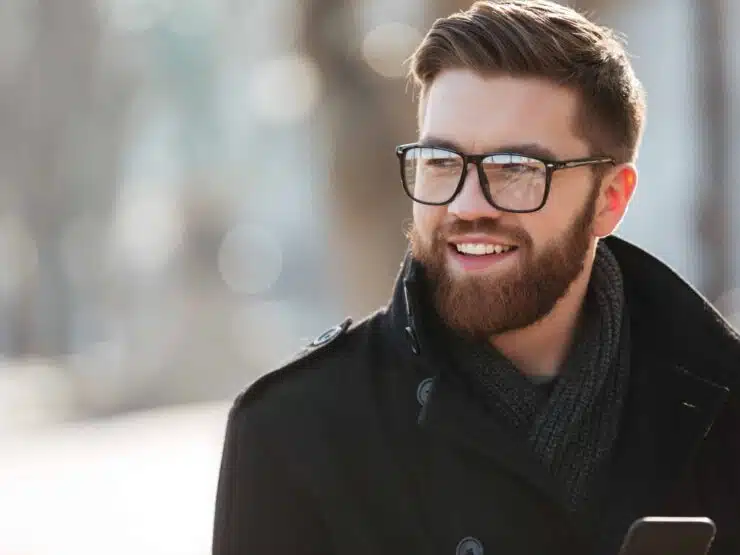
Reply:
x=148 y=229
x=250 y=259
x=388 y=46
x=285 y=90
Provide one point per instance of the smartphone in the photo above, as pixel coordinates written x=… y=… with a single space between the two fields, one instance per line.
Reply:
x=669 y=536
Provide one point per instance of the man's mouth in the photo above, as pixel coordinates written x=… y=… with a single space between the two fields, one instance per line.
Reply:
x=480 y=255
x=482 y=249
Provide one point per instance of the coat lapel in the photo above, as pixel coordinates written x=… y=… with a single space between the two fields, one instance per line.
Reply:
x=463 y=420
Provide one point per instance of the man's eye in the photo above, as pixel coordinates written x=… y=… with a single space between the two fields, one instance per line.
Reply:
x=442 y=162
x=518 y=168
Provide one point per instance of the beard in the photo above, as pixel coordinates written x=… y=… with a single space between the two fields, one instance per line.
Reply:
x=482 y=306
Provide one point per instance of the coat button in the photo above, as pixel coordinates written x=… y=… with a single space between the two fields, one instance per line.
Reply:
x=469 y=546
x=327 y=337
x=422 y=392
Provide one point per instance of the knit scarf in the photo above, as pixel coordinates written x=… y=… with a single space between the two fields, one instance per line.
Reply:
x=572 y=426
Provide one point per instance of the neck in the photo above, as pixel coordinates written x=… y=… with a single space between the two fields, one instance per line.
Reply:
x=541 y=349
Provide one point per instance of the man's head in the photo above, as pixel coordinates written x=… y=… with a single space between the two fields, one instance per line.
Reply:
x=536 y=79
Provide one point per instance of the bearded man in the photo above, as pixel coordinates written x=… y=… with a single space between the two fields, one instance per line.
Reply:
x=535 y=384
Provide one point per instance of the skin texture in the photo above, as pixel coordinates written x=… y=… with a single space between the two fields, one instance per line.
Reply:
x=528 y=303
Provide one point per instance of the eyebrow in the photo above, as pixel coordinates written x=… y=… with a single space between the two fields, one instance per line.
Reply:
x=527 y=149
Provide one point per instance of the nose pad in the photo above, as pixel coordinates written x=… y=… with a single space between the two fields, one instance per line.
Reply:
x=471 y=203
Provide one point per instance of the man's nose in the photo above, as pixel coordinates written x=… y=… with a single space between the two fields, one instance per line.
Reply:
x=470 y=203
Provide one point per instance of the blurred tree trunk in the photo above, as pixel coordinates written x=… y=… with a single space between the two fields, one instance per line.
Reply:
x=52 y=86
x=715 y=206
x=59 y=147
x=366 y=116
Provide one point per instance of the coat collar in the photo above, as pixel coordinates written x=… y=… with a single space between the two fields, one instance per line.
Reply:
x=685 y=326
x=685 y=362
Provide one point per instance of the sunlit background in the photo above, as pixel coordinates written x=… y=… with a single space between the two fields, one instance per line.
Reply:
x=191 y=190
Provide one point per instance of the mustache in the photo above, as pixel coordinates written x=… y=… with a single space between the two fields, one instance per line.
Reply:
x=483 y=226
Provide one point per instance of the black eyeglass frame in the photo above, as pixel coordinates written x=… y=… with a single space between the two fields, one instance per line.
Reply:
x=551 y=166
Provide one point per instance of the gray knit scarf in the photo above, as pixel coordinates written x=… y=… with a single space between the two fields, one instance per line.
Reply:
x=572 y=426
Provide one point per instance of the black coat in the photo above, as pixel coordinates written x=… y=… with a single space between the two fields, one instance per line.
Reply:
x=368 y=444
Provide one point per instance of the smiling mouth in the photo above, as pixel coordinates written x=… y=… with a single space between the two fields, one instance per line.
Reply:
x=482 y=249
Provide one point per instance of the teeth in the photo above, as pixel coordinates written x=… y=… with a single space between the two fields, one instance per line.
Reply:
x=480 y=249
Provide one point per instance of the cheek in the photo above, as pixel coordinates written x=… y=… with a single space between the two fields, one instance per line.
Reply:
x=428 y=218
x=544 y=227
x=559 y=214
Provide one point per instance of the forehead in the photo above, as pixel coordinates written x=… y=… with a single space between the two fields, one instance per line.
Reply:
x=484 y=114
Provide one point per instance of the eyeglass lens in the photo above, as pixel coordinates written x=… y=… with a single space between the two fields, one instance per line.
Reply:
x=515 y=182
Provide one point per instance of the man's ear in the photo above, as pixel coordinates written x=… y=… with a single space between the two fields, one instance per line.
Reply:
x=617 y=188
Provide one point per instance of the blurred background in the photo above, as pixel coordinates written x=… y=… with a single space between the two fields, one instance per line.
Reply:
x=191 y=190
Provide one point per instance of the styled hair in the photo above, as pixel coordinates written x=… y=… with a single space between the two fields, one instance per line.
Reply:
x=540 y=38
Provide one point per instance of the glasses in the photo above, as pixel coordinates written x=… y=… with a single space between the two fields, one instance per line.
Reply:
x=510 y=182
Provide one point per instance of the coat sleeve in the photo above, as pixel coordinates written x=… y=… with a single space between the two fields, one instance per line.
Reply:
x=259 y=507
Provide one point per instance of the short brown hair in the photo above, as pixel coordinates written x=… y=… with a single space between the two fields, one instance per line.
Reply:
x=539 y=38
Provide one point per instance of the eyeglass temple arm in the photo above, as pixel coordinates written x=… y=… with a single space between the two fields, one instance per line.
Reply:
x=579 y=163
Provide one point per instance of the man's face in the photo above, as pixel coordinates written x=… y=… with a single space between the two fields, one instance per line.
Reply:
x=489 y=294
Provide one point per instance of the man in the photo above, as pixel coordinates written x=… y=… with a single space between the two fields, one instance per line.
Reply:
x=535 y=385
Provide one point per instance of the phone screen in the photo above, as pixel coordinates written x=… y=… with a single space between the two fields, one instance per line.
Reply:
x=669 y=536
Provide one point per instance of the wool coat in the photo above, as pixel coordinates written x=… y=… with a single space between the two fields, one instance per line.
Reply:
x=368 y=443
